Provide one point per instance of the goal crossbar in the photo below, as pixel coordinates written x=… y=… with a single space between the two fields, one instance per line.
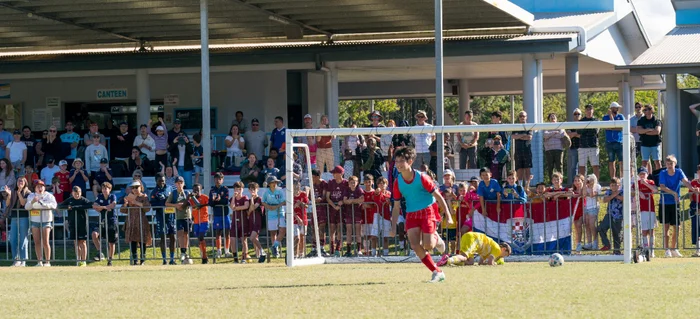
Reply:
x=289 y=140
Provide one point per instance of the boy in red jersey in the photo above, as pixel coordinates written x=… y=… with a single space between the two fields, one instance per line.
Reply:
x=200 y=218
x=301 y=202
x=63 y=177
x=334 y=197
x=255 y=218
x=381 y=225
x=647 y=214
x=353 y=216
x=422 y=199
x=239 y=205
x=368 y=211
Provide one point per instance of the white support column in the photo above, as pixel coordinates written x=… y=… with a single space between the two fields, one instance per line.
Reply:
x=671 y=136
x=143 y=97
x=463 y=98
x=572 y=95
x=332 y=105
x=206 y=115
x=439 y=87
x=623 y=92
x=532 y=104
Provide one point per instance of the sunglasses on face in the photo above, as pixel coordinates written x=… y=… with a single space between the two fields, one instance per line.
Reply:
x=647 y=110
x=420 y=117
x=637 y=107
x=52 y=131
x=577 y=114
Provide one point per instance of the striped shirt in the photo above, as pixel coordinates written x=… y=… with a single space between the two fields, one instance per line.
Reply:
x=423 y=140
x=161 y=141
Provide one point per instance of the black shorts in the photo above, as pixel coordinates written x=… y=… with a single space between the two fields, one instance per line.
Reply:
x=523 y=159
x=184 y=224
x=451 y=234
x=79 y=230
x=668 y=214
x=110 y=231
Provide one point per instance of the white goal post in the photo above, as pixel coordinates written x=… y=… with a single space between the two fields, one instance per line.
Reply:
x=291 y=134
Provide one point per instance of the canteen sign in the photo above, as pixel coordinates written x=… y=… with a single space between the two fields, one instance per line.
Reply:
x=112 y=94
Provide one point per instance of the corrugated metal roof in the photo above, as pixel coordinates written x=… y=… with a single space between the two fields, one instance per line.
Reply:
x=679 y=47
x=586 y=20
x=48 y=55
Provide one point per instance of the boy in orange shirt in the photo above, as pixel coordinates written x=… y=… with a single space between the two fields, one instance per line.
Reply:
x=200 y=218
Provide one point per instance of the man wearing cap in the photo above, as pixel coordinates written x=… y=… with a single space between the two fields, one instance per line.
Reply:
x=649 y=129
x=122 y=142
x=48 y=172
x=179 y=199
x=613 y=140
x=17 y=153
x=588 y=150
x=94 y=129
x=423 y=141
x=256 y=140
x=241 y=122
x=71 y=138
x=175 y=132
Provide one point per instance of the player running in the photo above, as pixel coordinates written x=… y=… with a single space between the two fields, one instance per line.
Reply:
x=422 y=201
x=472 y=244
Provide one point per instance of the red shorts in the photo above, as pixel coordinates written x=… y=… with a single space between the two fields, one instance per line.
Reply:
x=238 y=225
x=424 y=218
x=333 y=215
x=254 y=223
x=354 y=216
x=322 y=213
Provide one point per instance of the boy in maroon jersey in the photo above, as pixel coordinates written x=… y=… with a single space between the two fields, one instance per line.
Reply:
x=321 y=212
x=335 y=189
x=255 y=218
x=353 y=217
x=239 y=204
x=301 y=202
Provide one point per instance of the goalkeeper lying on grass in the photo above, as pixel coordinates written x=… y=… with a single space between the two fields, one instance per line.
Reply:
x=472 y=244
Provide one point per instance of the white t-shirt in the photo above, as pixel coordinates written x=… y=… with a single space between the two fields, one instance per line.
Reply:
x=592 y=202
x=235 y=149
x=148 y=141
x=16 y=149
x=47 y=173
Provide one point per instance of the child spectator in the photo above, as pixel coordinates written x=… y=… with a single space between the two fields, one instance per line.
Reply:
x=319 y=186
x=77 y=176
x=381 y=224
x=269 y=171
x=104 y=174
x=104 y=204
x=161 y=141
x=179 y=199
x=512 y=192
x=335 y=189
x=488 y=190
x=613 y=218
x=557 y=191
x=353 y=217
x=30 y=175
x=538 y=196
x=198 y=158
x=499 y=159
x=218 y=200
x=170 y=173
x=590 y=219
x=165 y=223
x=56 y=190
x=274 y=202
x=255 y=217
x=577 y=204
x=239 y=205
x=77 y=206
x=368 y=210
x=647 y=189
x=695 y=199
x=200 y=218
x=301 y=202
x=468 y=202
x=63 y=177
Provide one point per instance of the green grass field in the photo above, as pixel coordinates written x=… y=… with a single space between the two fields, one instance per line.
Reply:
x=666 y=288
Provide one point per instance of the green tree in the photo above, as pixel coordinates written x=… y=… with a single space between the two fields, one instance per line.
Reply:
x=357 y=111
x=688 y=81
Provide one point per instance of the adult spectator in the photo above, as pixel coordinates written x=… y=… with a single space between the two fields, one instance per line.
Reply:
x=49 y=171
x=175 y=132
x=256 y=140
x=121 y=143
x=399 y=141
x=694 y=109
x=52 y=145
x=94 y=154
x=575 y=145
x=372 y=159
x=613 y=140
x=235 y=144
x=250 y=170
x=146 y=143
x=385 y=141
x=241 y=122
x=278 y=135
x=447 y=148
x=137 y=231
x=7 y=175
x=94 y=129
x=649 y=129
x=423 y=141
x=5 y=138
x=161 y=139
x=588 y=150
x=325 y=159
x=523 y=150
x=38 y=147
x=19 y=222
x=375 y=119
x=181 y=153
x=310 y=141
x=497 y=118
x=17 y=152
x=30 y=141
x=73 y=139
x=138 y=162
x=352 y=147
x=670 y=181
x=553 y=148
x=42 y=224
x=633 y=126
x=468 y=142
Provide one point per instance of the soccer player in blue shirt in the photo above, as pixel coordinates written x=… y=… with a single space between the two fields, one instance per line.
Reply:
x=165 y=223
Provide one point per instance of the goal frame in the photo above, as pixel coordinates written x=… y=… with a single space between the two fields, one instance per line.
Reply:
x=291 y=134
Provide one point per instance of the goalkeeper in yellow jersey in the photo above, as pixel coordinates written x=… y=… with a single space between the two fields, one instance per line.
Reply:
x=472 y=244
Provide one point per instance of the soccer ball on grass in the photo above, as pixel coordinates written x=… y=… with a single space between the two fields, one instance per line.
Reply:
x=556 y=260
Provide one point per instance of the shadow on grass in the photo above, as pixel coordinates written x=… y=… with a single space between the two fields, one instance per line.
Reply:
x=302 y=286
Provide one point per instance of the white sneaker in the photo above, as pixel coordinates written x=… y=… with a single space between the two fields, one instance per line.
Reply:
x=697 y=253
x=676 y=253
x=668 y=253
x=47 y=264
x=411 y=253
x=17 y=264
x=578 y=248
x=182 y=258
x=440 y=246
x=437 y=277
x=652 y=254
x=24 y=264
x=39 y=264
x=586 y=246
x=217 y=254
